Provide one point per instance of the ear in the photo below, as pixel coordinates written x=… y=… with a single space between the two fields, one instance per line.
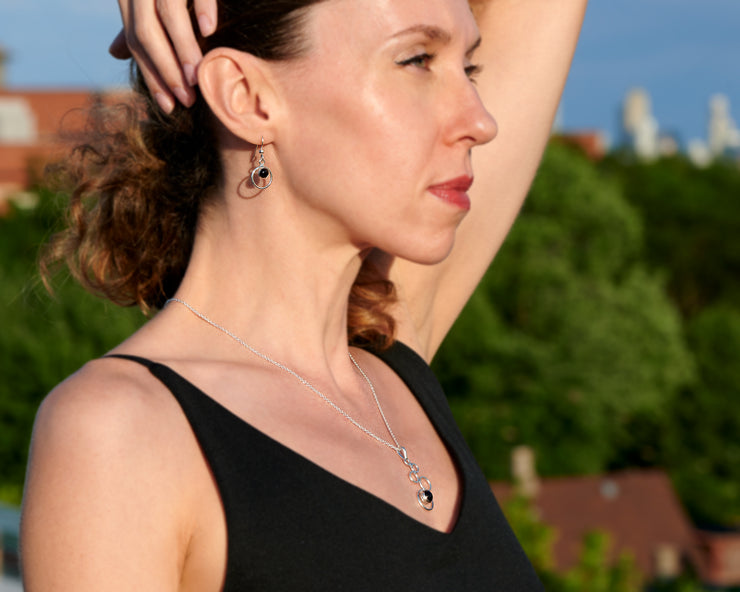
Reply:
x=236 y=87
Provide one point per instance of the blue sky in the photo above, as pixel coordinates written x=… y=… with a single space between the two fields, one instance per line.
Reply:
x=681 y=51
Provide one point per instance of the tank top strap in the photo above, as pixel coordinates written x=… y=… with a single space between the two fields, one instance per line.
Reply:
x=212 y=424
x=143 y=361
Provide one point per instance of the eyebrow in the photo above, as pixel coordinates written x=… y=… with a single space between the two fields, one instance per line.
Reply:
x=434 y=33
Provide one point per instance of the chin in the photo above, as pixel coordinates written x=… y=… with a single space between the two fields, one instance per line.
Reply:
x=427 y=253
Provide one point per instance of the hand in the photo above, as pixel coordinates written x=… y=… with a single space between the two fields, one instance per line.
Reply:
x=159 y=36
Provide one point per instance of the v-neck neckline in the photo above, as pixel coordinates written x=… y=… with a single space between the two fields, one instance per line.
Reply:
x=422 y=398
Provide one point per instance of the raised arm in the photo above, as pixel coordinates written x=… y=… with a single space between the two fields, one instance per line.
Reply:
x=526 y=53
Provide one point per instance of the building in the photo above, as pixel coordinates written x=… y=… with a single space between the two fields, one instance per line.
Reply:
x=30 y=124
x=593 y=143
x=723 y=136
x=722 y=552
x=639 y=126
x=640 y=511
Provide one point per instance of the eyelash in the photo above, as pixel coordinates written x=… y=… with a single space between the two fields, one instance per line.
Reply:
x=473 y=71
x=422 y=60
x=417 y=59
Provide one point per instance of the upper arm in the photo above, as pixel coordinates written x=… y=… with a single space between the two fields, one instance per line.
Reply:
x=98 y=512
x=526 y=53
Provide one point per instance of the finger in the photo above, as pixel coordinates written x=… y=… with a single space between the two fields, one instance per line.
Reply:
x=174 y=17
x=157 y=87
x=126 y=45
x=118 y=49
x=150 y=46
x=207 y=13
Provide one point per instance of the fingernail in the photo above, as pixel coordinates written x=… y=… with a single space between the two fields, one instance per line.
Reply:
x=165 y=103
x=205 y=24
x=190 y=76
x=182 y=95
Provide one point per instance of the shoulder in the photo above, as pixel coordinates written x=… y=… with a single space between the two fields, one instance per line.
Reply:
x=108 y=402
x=105 y=481
x=111 y=417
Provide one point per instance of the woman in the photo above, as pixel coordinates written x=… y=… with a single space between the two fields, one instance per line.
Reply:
x=237 y=441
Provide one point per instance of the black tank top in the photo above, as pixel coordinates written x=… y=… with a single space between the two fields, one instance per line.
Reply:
x=294 y=527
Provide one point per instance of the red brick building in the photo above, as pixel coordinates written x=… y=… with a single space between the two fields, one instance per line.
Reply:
x=722 y=553
x=30 y=124
x=640 y=511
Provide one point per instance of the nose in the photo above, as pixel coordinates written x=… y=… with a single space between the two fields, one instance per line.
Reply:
x=475 y=124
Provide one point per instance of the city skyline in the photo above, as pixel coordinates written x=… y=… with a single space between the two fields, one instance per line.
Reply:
x=680 y=51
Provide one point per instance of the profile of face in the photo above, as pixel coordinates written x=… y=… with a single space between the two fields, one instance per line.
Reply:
x=380 y=115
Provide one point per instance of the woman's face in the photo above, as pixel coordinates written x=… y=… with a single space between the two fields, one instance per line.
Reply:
x=380 y=120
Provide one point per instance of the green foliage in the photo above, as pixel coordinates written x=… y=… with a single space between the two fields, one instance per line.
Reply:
x=44 y=338
x=693 y=217
x=693 y=221
x=568 y=337
x=703 y=439
x=684 y=583
x=537 y=538
x=594 y=572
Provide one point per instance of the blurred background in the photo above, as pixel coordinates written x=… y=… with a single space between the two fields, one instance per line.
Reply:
x=596 y=371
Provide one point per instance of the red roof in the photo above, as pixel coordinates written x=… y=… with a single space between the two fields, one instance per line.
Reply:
x=638 y=508
x=592 y=143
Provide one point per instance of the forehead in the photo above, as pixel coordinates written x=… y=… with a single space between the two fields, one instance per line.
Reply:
x=369 y=24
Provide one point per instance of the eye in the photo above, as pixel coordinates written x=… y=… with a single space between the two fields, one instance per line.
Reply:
x=421 y=60
x=472 y=71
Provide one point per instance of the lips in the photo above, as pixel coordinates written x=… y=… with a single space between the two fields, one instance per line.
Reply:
x=454 y=191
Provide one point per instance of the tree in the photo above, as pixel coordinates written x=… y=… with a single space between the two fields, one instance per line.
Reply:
x=568 y=337
x=692 y=216
x=703 y=449
x=44 y=338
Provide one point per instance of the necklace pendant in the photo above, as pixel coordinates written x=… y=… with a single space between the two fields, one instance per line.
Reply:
x=426 y=499
x=424 y=495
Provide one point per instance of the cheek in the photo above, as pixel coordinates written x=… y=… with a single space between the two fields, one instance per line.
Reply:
x=357 y=128
x=326 y=136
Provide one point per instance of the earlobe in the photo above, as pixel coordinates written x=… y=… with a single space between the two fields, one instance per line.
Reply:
x=234 y=85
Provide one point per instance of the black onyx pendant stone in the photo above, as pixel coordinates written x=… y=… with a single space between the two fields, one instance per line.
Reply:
x=426 y=499
x=264 y=173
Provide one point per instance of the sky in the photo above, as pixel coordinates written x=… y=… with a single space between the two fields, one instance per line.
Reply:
x=681 y=51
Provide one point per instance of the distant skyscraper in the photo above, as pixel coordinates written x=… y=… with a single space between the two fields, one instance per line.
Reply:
x=698 y=153
x=722 y=133
x=639 y=125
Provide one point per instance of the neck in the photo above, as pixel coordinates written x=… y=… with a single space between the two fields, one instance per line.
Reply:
x=279 y=285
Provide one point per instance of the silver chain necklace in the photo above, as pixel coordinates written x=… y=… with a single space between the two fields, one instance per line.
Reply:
x=424 y=494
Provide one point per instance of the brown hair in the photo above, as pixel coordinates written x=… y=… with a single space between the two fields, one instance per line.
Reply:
x=142 y=177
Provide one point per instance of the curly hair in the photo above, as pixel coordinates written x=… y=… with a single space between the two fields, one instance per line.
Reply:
x=141 y=178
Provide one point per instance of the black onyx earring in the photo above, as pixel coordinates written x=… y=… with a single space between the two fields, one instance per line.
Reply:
x=261 y=172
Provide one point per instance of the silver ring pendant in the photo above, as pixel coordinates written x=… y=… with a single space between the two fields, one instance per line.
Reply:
x=260 y=176
x=425 y=499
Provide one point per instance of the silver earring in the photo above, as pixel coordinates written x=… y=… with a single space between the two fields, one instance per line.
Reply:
x=260 y=173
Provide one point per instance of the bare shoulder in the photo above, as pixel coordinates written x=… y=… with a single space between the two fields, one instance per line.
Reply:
x=102 y=501
x=111 y=410
x=96 y=388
